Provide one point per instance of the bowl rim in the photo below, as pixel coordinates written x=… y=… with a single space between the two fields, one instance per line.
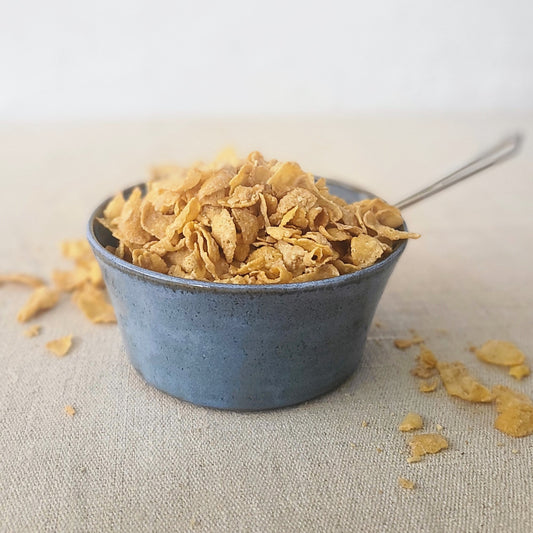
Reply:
x=213 y=286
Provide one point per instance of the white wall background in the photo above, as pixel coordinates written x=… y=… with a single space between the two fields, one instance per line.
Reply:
x=66 y=59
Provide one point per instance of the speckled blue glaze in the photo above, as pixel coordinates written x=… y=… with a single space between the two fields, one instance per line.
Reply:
x=242 y=347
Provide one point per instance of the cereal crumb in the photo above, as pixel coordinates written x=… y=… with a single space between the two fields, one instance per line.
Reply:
x=411 y=422
x=499 y=444
x=379 y=450
x=364 y=424
x=405 y=483
x=426 y=365
x=403 y=344
x=194 y=522
x=439 y=427
x=515 y=451
x=61 y=346
x=428 y=386
x=426 y=443
x=70 y=410
x=515 y=412
x=519 y=371
x=32 y=331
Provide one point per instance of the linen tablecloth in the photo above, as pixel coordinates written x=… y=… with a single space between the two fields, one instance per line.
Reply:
x=135 y=459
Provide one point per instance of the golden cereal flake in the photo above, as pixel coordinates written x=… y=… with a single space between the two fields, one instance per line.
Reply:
x=42 y=298
x=32 y=331
x=500 y=353
x=93 y=303
x=22 y=279
x=458 y=382
x=519 y=371
x=61 y=346
x=515 y=412
x=406 y=483
x=411 y=422
x=426 y=366
x=70 y=410
x=428 y=386
x=403 y=344
x=426 y=443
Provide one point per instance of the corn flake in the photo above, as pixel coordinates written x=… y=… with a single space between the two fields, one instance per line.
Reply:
x=23 y=279
x=92 y=301
x=458 y=382
x=500 y=353
x=428 y=386
x=406 y=483
x=519 y=371
x=426 y=443
x=32 y=331
x=61 y=346
x=411 y=422
x=403 y=344
x=426 y=366
x=515 y=412
x=42 y=298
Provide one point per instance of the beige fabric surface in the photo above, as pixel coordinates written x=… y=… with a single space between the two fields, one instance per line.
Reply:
x=134 y=459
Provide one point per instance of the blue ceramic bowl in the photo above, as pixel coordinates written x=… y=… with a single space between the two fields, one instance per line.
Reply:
x=242 y=347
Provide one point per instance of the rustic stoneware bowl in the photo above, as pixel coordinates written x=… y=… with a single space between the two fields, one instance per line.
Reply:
x=242 y=347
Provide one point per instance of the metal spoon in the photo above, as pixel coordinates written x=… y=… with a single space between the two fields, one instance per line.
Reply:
x=498 y=153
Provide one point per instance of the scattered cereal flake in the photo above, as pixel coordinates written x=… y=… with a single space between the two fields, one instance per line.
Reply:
x=70 y=410
x=379 y=450
x=364 y=424
x=403 y=344
x=23 y=279
x=416 y=459
x=76 y=249
x=411 y=422
x=519 y=371
x=378 y=324
x=439 y=427
x=61 y=346
x=405 y=483
x=41 y=299
x=426 y=443
x=426 y=366
x=428 y=386
x=92 y=301
x=458 y=382
x=515 y=412
x=500 y=353
x=514 y=450
x=33 y=331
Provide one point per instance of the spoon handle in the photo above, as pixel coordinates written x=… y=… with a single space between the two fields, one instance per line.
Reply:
x=498 y=153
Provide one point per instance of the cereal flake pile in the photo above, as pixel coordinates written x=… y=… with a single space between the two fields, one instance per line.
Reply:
x=249 y=221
